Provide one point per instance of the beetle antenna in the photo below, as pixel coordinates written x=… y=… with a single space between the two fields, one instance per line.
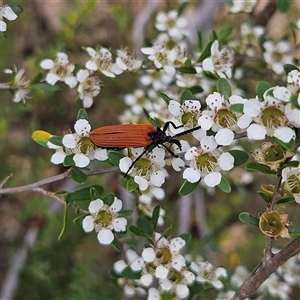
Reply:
x=187 y=131
x=139 y=157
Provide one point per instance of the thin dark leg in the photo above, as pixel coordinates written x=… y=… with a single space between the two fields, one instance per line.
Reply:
x=139 y=157
x=187 y=131
x=167 y=124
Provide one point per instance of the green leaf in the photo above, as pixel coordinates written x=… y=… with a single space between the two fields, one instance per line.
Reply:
x=16 y=8
x=78 y=220
x=238 y=107
x=261 y=87
x=225 y=32
x=130 y=274
x=2 y=34
x=291 y=164
x=186 y=237
x=185 y=70
x=36 y=79
x=41 y=137
x=182 y=8
x=289 y=146
x=82 y=114
x=116 y=244
x=64 y=224
x=282 y=5
x=46 y=87
x=56 y=140
x=200 y=41
x=286 y=200
x=240 y=157
x=288 y=68
x=109 y=199
x=125 y=213
x=165 y=97
x=248 y=219
x=255 y=166
x=186 y=95
x=131 y=185
x=144 y=225
x=224 y=185
x=196 y=89
x=78 y=176
x=187 y=187
x=223 y=87
x=115 y=157
x=136 y=231
x=205 y=52
x=82 y=194
x=68 y=161
x=266 y=197
x=94 y=193
x=293 y=230
x=155 y=216
x=294 y=100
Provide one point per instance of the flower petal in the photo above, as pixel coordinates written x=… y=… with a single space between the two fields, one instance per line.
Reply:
x=105 y=236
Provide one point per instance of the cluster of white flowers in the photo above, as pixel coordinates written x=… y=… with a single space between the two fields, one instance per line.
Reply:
x=243 y=6
x=164 y=271
x=79 y=144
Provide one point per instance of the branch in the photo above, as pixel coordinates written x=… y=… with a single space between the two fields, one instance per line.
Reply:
x=38 y=184
x=265 y=268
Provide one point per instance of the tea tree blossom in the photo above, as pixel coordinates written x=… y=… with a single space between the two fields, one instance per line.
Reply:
x=7 y=13
x=102 y=61
x=126 y=61
x=79 y=144
x=104 y=219
x=88 y=88
x=242 y=6
x=219 y=62
x=60 y=69
x=206 y=162
x=276 y=55
x=293 y=82
x=148 y=169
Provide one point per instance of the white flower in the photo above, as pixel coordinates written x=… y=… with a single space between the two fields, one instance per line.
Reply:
x=59 y=70
x=207 y=273
x=276 y=55
x=102 y=61
x=206 y=162
x=104 y=219
x=174 y=25
x=8 y=13
x=158 y=80
x=243 y=6
x=219 y=62
x=149 y=168
x=126 y=61
x=293 y=81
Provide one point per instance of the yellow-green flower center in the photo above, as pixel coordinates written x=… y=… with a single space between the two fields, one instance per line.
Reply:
x=273 y=117
x=163 y=255
x=225 y=118
x=104 y=218
x=206 y=162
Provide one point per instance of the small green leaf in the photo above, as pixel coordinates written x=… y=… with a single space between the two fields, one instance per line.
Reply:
x=115 y=157
x=94 y=193
x=155 y=216
x=82 y=194
x=289 y=146
x=2 y=34
x=293 y=230
x=136 y=231
x=240 y=157
x=125 y=213
x=200 y=41
x=224 y=185
x=288 y=68
x=196 y=89
x=82 y=114
x=144 y=225
x=286 y=200
x=185 y=70
x=68 y=161
x=224 y=87
x=78 y=220
x=56 y=140
x=41 y=137
x=36 y=79
x=16 y=8
x=109 y=199
x=130 y=274
x=282 y=5
x=261 y=87
x=46 y=87
x=186 y=95
x=291 y=164
x=248 y=219
x=131 y=185
x=294 y=100
x=78 y=176
x=182 y=8
x=187 y=187
x=205 y=52
x=116 y=244
x=64 y=224
x=238 y=107
x=186 y=237
x=255 y=166
x=266 y=197
x=165 y=97
x=225 y=32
